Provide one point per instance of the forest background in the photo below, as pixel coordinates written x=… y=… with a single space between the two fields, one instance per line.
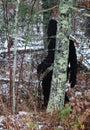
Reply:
x=22 y=47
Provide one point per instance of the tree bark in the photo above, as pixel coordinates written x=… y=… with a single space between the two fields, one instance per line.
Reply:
x=57 y=93
x=88 y=25
x=15 y=57
x=46 y=16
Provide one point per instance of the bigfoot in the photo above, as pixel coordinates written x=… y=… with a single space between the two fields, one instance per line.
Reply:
x=49 y=60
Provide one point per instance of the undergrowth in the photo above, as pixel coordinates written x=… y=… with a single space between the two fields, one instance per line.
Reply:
x=68 y=118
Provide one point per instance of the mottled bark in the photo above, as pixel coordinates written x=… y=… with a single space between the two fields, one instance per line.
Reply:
x=57 y=94
x=88 y=25
x=15 y=58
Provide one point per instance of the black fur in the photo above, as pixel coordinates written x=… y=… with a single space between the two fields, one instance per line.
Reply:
x=72 y=59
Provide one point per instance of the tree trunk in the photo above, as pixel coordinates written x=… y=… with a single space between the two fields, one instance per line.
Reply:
x=57 y=94
x=88 y=25
x=47 y=5
x=15 y=58
x=46 y=17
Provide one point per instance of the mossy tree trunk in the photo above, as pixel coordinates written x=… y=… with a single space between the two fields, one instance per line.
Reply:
x=57 y=93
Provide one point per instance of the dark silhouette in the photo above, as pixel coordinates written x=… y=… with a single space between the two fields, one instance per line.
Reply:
x=72 y=60
x=49 y=60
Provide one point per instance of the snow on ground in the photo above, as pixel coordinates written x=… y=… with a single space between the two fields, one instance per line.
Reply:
x=83 y=48
x=13 y=122
x=1 y=120
x=83 y=51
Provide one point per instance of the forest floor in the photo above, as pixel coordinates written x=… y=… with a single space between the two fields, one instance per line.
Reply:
x=75 y=115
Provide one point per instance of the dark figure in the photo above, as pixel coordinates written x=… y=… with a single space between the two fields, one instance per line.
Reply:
x=72 y=62
x=47 y=62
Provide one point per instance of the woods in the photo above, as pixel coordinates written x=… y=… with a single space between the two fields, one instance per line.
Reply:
x=24 y=45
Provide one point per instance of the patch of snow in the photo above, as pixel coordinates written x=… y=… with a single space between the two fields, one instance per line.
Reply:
x=2 y=118
x=22 y=113
x=79 y=32
x=71 y=99
x=78 y=93
x=40 y=127
x=4 y=89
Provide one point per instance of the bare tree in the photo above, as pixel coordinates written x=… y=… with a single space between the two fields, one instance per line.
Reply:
x=15 y=56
